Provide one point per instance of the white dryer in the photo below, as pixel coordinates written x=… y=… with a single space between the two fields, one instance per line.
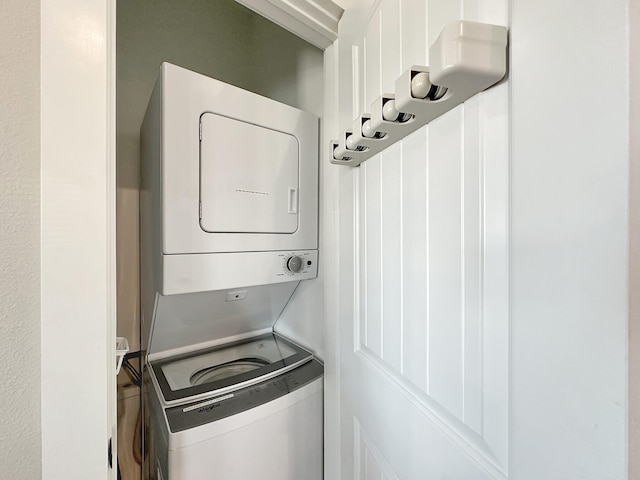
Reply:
x=228 y=228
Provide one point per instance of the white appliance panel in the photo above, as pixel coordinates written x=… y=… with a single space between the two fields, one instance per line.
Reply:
x=195 y=273
x=248 y=177
x=280 y=440
x=185 y=97
x=185 y=322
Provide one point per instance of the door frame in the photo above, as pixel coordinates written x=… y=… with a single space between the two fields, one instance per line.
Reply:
x=78 y=242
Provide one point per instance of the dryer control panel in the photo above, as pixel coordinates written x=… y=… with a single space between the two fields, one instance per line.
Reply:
x=193 y=273
x=299 y=264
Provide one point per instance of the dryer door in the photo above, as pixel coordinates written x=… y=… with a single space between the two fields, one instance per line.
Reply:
x=248 y=177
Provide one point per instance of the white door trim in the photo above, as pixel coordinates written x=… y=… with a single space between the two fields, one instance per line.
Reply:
x=316 y=21
x=78 y=237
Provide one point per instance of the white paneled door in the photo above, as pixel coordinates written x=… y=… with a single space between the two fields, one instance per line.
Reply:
x=423 y=264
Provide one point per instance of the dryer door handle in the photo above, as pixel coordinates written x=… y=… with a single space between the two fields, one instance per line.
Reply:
x=293 y=200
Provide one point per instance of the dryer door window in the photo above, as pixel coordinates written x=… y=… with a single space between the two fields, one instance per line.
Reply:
x=248 y=177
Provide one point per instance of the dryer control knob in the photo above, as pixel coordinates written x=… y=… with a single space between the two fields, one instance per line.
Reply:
x=294 y=264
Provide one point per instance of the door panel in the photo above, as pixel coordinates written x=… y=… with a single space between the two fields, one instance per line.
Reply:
x=445 y=266
x=415 y=305
x=390 y=45
x=424 y=345
x=391 y=214
x=369 y=79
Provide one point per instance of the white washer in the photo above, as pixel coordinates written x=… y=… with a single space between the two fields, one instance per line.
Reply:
x=247 y=410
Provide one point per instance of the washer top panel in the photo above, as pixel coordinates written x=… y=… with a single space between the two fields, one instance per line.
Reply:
x=186 y=416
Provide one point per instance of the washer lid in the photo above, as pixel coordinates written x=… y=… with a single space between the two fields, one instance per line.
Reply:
x=226 y=368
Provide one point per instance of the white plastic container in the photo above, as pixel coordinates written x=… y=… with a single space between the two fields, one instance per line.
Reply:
x=122 y=348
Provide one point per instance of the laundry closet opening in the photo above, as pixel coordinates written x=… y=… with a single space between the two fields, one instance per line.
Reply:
x=226 y=41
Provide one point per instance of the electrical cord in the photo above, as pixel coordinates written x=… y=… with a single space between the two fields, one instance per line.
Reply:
x=132 y=372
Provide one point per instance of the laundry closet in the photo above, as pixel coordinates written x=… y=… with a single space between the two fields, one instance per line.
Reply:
x=263 y=67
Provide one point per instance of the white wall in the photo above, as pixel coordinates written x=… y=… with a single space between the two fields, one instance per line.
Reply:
x=634 y=244
x=20 y=444
x=226 y=41
x=569 y=239
x=284 y=67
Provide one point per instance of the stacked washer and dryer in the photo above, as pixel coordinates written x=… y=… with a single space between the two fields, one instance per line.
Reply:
x=229 y=227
